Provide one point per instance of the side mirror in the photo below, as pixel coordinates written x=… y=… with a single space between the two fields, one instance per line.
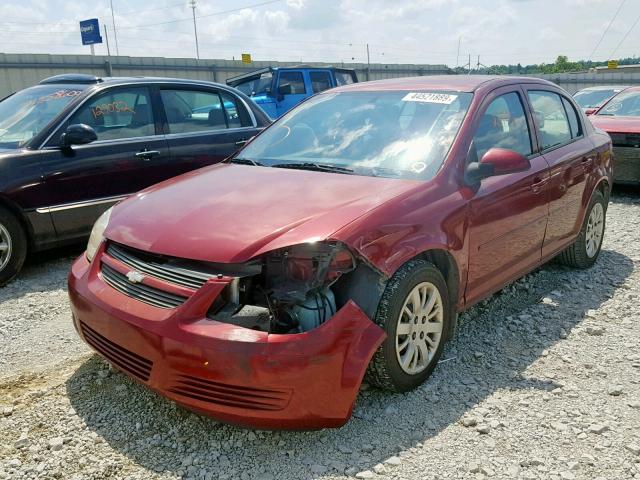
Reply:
x=590 y=111
x=285 y=89
x=78 y=134
x=496 y=161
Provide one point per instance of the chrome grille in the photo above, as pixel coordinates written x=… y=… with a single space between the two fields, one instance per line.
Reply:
x=139 y=291
x=158 y=267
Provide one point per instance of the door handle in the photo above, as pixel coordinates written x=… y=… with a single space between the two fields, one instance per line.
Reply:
x=147 y=154
x=239 y=143
x=586 y=162
x=538 y=184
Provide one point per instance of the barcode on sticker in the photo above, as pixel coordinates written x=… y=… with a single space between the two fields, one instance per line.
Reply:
x=444 y=98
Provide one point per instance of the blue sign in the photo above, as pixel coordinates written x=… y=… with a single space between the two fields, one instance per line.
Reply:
x=90 y=31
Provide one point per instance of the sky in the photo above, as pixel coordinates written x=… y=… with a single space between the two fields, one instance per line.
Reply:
x=397 y=31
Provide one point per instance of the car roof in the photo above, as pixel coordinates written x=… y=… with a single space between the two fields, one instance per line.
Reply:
x=79 y=79
x=457 y=83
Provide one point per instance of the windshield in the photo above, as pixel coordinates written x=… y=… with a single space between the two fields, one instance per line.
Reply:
x=24 y=114
x=594 y=98
x=257 y=85
x=392 y=133
x=626 y=104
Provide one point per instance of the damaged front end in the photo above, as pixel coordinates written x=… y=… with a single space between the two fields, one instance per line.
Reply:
x=290 y=290
x=281 y=341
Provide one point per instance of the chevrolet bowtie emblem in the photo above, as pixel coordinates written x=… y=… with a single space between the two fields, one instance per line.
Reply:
x=135 y=277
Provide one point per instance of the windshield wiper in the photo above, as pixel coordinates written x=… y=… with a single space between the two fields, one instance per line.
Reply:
x=245 y=161
x=318 y=167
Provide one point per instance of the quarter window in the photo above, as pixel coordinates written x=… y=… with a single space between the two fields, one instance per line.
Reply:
x=295 y=80
x=503 y=125
x=320 y=81
x=550 y=117
x=237 y=115
x=123 y=113
x=574 y=123
x=190 y=111
x=344 y=78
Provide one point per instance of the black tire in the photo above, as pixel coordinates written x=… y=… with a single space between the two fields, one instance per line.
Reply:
x=18 y=240
x=576 y=254
x=384 y=370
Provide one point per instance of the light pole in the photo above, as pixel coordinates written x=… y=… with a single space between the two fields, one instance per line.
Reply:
x=113 y=20
x=192 y=3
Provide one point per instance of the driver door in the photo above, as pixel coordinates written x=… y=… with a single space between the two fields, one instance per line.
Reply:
x=508 y=213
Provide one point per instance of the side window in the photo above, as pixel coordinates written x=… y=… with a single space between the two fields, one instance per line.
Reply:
x=574 y=122
x=235 y=112
x=115 y=114
x=320 y=81
x=190 y=111
x=343 y=78
x=295 y=80
x=550 y=117
x=503 y=125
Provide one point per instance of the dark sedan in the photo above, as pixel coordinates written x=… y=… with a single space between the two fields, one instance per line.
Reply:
x=75 y=144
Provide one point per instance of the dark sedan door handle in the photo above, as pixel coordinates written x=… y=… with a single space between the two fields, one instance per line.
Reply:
x=239 y=143
x=147 y=154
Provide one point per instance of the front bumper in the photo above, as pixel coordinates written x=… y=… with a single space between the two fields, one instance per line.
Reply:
x=627 y=165
x=236 y=375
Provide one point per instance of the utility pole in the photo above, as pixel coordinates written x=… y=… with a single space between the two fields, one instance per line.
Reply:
x=113 y=21
x=192 y=3
x=368 y=62
x=106 y=36
x=478 y=65
x=458 y=54
x=469 y=65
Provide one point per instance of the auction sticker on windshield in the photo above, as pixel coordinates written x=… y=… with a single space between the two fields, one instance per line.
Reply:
x=444 y=98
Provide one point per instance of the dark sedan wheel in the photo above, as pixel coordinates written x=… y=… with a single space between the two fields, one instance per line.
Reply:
x=585 y=250
x=414 y=311
x=13 y=246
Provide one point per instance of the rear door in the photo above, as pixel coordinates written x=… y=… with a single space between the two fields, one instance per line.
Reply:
x=291 y=90
x=129 y=154
x=203 y=125
x=508 y=213
x=570 y=156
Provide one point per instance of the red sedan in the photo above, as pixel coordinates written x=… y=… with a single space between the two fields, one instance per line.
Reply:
x=620 y=118
x=341 y=243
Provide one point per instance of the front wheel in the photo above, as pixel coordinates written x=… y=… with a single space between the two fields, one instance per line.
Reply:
x=13 y=246
x=585 y=250
x=414 y=311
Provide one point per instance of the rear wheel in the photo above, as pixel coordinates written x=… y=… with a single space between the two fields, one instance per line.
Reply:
x=585 y=250
x=13 y=246
x=414 y=311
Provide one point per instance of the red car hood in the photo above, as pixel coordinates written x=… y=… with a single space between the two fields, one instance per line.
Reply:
x=231 y=213
x=611 y=124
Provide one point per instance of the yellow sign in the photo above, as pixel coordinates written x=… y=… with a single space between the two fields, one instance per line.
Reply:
x=610 y=64
x=246 y=58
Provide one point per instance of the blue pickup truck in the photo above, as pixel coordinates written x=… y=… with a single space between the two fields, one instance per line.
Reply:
x=277 y=90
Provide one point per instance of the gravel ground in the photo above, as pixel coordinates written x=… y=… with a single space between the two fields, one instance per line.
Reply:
x=541 y=381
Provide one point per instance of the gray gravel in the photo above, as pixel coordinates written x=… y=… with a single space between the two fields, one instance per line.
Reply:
x=542 y=381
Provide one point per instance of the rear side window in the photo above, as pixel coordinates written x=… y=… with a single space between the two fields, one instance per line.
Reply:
x=116 y=114
x=574 y=122
x=344 y=78
x=503 y=125
x=237 y=115
x=190 y=111
x=550 y=117
x=295 y=80
x=320 y=81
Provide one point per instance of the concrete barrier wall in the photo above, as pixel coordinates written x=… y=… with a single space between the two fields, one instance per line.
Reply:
x=18 y=71
x=572 y=82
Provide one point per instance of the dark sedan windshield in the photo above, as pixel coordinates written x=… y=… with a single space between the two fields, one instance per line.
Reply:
x=24 y=114
x=625 y=104
x=388 y=133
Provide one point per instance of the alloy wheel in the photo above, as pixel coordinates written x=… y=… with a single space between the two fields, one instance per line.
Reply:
x=419 y=329
x=595 y=230
x=5 y=246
